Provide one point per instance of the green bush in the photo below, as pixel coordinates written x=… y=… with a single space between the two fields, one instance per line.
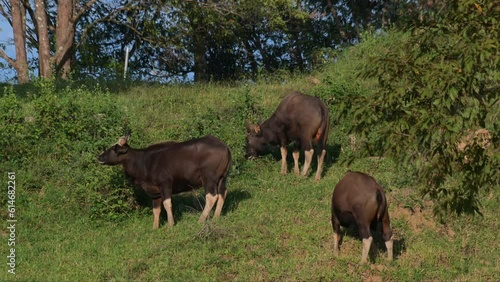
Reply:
x=12 y=126
x=340 y=88
x=53 y=138
x=437 y=85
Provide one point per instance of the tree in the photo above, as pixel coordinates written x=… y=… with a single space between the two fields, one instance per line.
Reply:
x=42 y=27
x=219 y=40
x=182 y=39
x=50 y=28
x=437 y=103
x=18 y=22
x=155 y=31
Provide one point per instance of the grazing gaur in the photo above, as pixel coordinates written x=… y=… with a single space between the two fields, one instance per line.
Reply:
x=359 y=200
x=298 y=118
x=173 y=167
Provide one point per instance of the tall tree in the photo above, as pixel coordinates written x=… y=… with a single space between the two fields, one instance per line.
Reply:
x=198 y=26
x=65 y=35
x=18 y=22
x=51 y=30
x=42 y=22
x=200 y=39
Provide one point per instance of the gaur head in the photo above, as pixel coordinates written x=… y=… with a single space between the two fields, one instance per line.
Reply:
x=116 y=153
x=254 y=141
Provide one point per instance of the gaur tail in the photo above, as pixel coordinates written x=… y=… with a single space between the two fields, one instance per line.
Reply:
x=225 y=165
x=381 y=205
x=322 y=134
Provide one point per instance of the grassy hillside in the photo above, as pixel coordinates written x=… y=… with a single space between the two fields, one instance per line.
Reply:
x=81 y=221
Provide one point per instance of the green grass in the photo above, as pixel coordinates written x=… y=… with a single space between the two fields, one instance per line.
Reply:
x=273 y=227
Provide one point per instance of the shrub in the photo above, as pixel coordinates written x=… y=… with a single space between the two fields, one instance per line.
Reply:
x=340 y=88
x=12 y=126
x=54 y=136
x=437 y=84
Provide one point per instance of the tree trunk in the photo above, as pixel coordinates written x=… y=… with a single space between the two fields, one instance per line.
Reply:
x=65 y=35
x=18 y=26
x=200 y=62
x=296 y=51
x=43 y=40
x=268 y=63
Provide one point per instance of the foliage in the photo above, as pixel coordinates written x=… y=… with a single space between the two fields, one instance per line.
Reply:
x=340 y=87
x=11 y=124
x=50 y=129
x=86 y=215
x=214 y=40
x=270 y=224
x=437 y=87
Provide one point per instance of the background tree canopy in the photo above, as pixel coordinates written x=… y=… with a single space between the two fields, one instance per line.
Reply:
x=177 y=39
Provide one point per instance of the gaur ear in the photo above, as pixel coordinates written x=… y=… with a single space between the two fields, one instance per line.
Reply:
x=257 y=129
x=122 y=141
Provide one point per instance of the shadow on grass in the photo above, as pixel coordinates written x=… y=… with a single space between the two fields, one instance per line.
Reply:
x=192 y=202
x=378 y=248
x=332 y=156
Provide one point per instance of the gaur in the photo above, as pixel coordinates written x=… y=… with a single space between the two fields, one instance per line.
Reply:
x=299 y=118
x=173 y=167
x=359 y=200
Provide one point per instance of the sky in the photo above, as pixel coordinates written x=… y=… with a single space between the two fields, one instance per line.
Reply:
x=6 y=39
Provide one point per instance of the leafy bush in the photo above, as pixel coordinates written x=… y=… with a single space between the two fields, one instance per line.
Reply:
x=11 y=125
x=436 y=86
x=336 y=93
x=341 y=87
x=65 y=128
x=223 y=119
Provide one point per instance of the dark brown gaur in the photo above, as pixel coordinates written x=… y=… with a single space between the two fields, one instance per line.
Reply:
x=299 y=118
x=359 y=200
x=173 y=167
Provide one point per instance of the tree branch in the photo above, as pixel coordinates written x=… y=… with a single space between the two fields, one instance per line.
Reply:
x=29 y=34
x=108 y=18
x=84 y=9
x=335 y=16
x=7 y=58
x=6 y=15
x=111 y=18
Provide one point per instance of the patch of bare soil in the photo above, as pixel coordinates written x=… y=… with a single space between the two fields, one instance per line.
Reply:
x=407 y=206
x=418 y=214
x=417 y=218
x=372 y=278
x=374 y=273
